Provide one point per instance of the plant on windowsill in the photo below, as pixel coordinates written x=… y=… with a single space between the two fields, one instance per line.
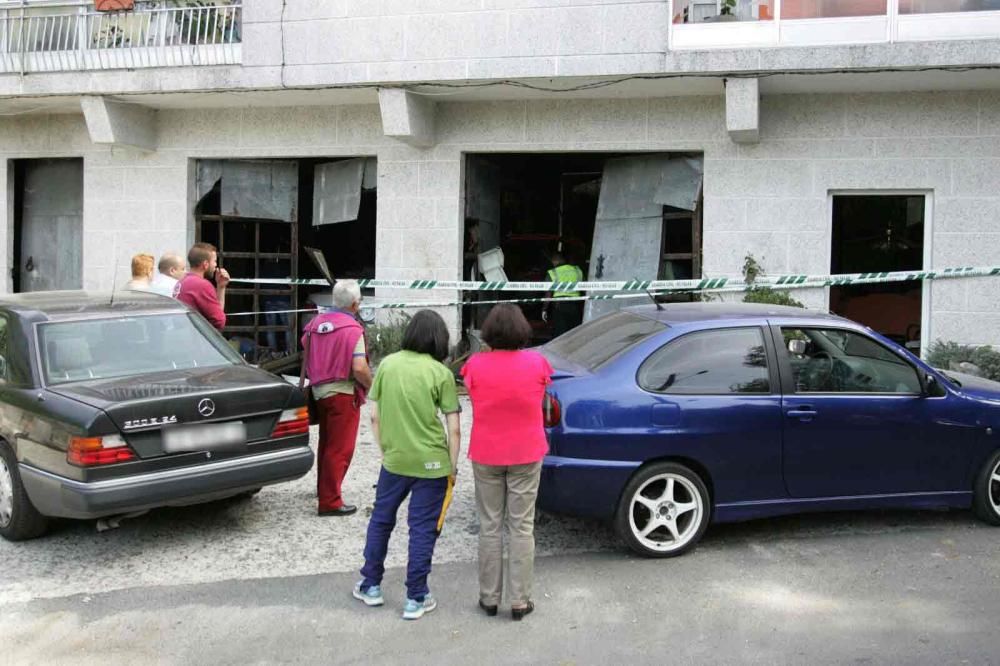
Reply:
x=752 y=270
x=727 y=12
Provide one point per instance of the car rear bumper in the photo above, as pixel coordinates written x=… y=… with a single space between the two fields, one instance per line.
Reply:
x=583 y=487
x=60 y=497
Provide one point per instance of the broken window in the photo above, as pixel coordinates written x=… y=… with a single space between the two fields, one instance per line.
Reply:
x=262 y=214
x=615 y=216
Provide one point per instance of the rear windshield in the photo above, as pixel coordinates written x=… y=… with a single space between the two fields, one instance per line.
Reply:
x=598 y=341
x=105 y=348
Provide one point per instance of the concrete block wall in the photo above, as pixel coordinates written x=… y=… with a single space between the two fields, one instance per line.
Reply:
x=771 y=199
x=390 y=40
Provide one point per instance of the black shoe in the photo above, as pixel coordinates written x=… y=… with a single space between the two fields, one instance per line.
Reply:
x=345 y=510
x=489 y=610
x=517 y=614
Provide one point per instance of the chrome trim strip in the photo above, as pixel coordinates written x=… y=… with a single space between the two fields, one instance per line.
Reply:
x=178 y=472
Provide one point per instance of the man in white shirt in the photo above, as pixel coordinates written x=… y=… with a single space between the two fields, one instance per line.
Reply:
x=169 y=271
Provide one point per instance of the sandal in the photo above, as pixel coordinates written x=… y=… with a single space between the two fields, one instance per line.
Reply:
x=517 y=614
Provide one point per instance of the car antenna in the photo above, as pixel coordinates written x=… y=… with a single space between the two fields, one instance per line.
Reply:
x=653 y=298
x=114 y=280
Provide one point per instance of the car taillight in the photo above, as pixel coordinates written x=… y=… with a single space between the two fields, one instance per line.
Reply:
x=552 y=411
x=88 y=451
x=292 y=422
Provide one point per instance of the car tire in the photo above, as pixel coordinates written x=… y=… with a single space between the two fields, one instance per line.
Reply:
x=19 y=520
x=664 y=510
x=986 y=500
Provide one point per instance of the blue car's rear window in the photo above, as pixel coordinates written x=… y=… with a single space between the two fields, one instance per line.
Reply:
x=598 y=341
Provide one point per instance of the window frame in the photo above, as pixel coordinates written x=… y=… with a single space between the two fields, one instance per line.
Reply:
x=788 y=376
x=773 y=375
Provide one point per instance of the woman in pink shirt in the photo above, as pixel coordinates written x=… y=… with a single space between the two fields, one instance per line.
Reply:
x=507 y=385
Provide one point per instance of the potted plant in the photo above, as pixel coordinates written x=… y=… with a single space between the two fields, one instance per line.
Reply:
x=727 y=12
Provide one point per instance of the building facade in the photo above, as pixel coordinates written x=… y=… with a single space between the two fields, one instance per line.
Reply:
x=827 y=136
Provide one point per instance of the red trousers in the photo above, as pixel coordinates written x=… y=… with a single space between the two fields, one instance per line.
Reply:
x=339 y=416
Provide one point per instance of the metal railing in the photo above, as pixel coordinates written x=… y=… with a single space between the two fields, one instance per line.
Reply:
x=68 y=35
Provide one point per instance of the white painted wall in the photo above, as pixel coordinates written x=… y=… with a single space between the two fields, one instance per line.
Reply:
x=769 y=198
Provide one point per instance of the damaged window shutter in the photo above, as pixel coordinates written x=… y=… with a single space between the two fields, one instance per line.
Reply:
x=337 y=191
x=260 y=189
x=483 y=182
x=680 y=182
x=629 y=226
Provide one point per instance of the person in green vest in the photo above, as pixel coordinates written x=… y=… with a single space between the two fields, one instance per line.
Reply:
x=569 y=313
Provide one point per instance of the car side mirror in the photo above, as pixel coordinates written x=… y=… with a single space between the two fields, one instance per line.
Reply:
x=932 y=388
x=797 y=347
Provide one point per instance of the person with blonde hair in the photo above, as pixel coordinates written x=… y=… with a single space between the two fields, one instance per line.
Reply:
x=142 y=272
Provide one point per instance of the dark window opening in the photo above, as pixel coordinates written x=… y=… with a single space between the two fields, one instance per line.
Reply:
x=532 y=205
x=873 y=233
x=268 y=241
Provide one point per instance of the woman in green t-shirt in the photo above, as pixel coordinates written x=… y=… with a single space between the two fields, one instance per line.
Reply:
x=418 y=458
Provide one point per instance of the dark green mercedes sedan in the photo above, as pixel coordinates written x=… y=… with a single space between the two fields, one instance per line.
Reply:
x=113 y=406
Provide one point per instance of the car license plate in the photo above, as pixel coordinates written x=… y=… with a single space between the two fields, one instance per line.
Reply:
x=226 y=437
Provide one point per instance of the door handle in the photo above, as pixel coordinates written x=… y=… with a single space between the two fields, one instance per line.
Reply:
x=803 y=413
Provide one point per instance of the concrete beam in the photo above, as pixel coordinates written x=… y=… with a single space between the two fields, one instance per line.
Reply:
x=407 y=116
x=743 y=109
x=119 y=124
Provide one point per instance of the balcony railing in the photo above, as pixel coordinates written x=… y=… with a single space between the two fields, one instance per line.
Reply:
x=700 y=24
x=47 y=36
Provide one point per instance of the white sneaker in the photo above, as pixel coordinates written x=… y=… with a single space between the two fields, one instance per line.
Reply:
x=370 y=597
x=414 y=610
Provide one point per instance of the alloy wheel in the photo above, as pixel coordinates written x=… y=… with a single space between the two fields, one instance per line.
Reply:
x=665 y=512
x=6 y=494
x=993 y=489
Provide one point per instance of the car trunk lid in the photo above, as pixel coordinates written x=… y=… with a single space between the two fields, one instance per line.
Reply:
x=142 y=406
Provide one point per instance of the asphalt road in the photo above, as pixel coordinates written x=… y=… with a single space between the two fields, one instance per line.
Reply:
x=265 y=581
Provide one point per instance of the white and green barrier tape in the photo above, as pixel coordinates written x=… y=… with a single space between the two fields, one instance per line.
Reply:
x=443 y=304
x=705 y=284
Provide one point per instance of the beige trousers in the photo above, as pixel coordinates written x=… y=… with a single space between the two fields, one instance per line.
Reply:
x=506 y=494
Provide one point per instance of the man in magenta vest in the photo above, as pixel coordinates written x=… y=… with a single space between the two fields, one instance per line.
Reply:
x=333 y=344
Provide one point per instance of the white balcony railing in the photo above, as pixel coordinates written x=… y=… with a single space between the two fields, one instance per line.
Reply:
x=702 y=24
x=52 y=36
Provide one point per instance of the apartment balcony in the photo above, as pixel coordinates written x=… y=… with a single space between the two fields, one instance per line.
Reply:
x=71 y=35
x=705 y=24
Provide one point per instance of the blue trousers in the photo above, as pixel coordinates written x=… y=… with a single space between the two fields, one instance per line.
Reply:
x=426 y=504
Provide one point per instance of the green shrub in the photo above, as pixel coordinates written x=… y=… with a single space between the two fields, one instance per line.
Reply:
x=751 y=271
x=386 y=337
x=944 y=354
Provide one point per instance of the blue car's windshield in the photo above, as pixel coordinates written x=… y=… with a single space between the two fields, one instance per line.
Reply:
x=598 y=341
x=105 y=348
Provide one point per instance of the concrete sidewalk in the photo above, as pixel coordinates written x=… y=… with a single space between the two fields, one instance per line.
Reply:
x=881 y=588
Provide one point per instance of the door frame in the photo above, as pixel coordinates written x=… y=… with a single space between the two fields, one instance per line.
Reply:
x=928 y=254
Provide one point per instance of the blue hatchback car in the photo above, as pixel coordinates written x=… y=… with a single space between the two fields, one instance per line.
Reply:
x=667 y=419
